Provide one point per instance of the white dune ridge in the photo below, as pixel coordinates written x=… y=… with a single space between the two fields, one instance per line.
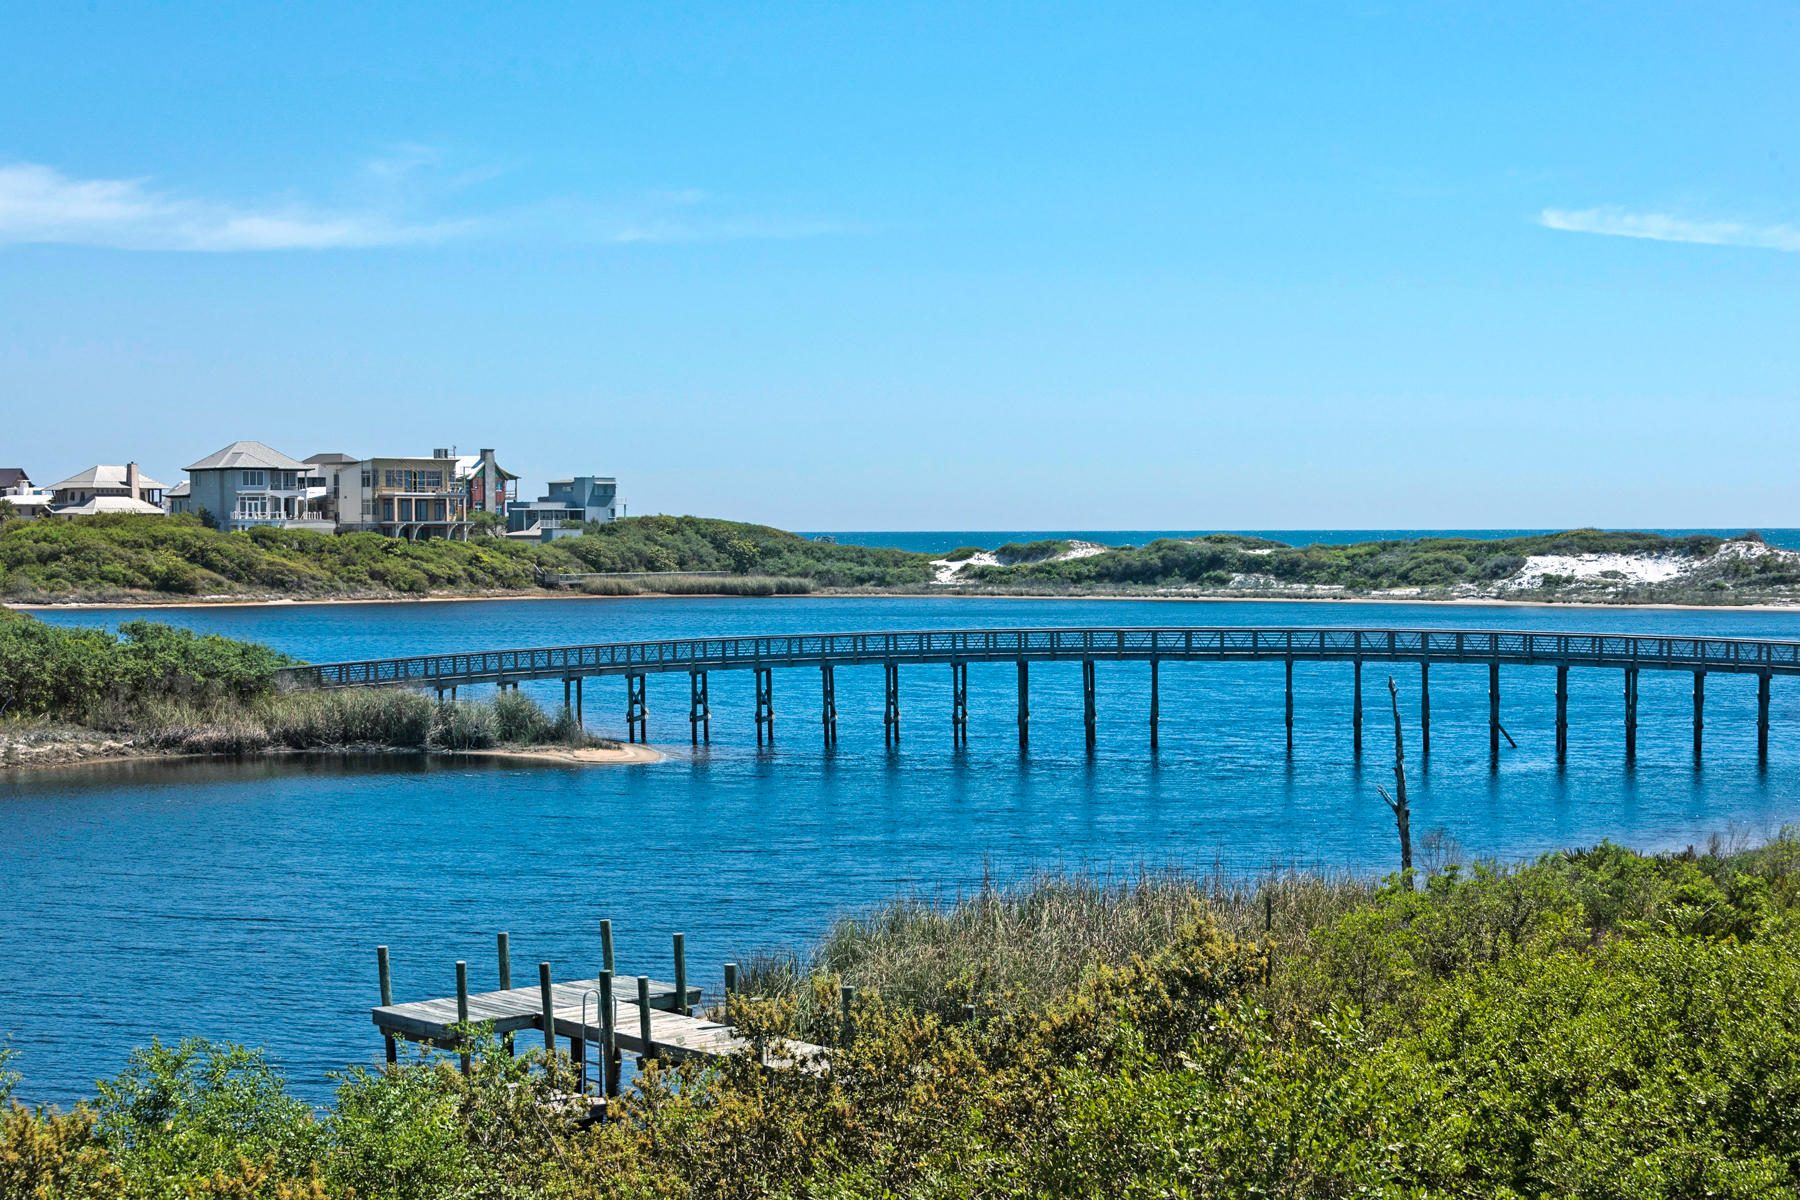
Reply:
x=948 y=572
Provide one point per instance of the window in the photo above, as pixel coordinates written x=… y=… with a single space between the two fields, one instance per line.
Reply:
x=252 y=479
x=253 y=506
x=433 y=480
x=387 y=510
x=368 y=480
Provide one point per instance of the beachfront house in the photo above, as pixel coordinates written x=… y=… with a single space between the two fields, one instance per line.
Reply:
x=491 y=487
x=27 y=499
x=410 y=498
x=248 y=484
x=106 y=489
x=584 y=498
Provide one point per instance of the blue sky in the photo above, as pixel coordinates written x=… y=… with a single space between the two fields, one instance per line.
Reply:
x=927 y=265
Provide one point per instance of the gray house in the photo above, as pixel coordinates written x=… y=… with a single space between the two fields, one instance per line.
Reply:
x=583 y=498
x=248 y=484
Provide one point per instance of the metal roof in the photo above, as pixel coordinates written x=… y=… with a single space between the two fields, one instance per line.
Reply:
x=253 y=455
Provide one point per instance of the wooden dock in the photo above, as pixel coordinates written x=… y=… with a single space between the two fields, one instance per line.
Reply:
x=634 y=1015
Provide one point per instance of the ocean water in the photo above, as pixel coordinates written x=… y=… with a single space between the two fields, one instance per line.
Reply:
x=243 y=900
x=944 y=541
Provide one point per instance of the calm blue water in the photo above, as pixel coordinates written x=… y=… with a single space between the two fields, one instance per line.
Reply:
x=944 y=541
x=244 y=901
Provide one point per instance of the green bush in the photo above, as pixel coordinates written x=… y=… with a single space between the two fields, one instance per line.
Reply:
x=91 y=675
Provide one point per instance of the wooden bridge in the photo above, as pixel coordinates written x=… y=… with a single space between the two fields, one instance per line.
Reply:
x=1628 y=653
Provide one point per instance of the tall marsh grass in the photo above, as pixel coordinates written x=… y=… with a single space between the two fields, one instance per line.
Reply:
x=385 y=718
x=1007 y=947
x=700 y=585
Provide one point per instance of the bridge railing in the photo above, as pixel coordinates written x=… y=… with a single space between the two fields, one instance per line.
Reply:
x=1210 y=643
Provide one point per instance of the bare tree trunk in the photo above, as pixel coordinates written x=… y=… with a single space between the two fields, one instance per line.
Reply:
x=1397 y=801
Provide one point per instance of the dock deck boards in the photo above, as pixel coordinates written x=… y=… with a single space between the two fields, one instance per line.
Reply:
x=510 y=1010
x=672 y=1034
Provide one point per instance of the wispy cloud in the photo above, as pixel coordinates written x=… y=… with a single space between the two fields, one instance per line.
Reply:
x=1663 y=227
x=40 y=204
x=381 y=206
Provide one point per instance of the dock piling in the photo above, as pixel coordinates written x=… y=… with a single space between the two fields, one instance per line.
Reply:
x=730 y=987
x=606 y=947
x=462 y=1011
x=548 y=999
x=609 y=1037
x=1356 y=709
x=503 y=945
x=828 y=702
x=681 y=1004
x=387 y=997
x=643 y=997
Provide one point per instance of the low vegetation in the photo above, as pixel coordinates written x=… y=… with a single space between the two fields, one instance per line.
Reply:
x=1246 y=563
x=156 y=687
x=133 y=559
x=1595 y=1024
x=127 y=558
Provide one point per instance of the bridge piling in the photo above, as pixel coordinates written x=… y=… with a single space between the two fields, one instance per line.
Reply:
x=890 y=715
x=1424 y=708
x=1699 y=711
x=699 y=709
x=959 y=703
x=1356 y=709
x=1290 y=704
x=765 y=704
x=1024 y=704
x=636 y=710
x=1631 y=693
x=1088 y=714
x=580 y=704
x=1762 y=717
x=1155 y=701
x=1494 y=711
x=1562 y=713
x=828 y=702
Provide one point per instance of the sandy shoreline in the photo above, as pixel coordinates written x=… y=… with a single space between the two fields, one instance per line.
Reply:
x=588 y=756
x=1448 y=601
x=74 y=752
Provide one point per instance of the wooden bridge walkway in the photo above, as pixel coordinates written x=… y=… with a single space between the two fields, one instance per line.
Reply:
x=1494 y=648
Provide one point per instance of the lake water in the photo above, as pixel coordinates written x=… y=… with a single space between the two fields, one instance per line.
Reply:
x=244 y=900
x=943 y=541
